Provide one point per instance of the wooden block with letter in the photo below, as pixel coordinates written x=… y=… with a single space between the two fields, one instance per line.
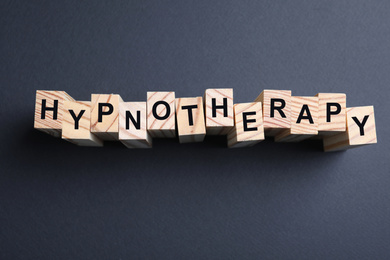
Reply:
x=190 y=119
x=49 y=110
x=248 y=129
x=332 y=113
x=76 y=124
x=104 y=116
x=161 y=114
x=132 y=125
x=304 y=120
x=276 y=110
x=219 y=111
x=360 y=130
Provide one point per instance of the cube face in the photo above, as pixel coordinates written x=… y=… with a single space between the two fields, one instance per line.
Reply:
x=276 y=110
x=50 y=105
x=161 y=120
x=104 y=116
x=304 y=120
x=190 y=119
x=304 y=126
x=332 y=113
x=361 y=130
x=130 y=134
x=365 y=134
x=249 y=127
x=78 y=132
x=219 y=111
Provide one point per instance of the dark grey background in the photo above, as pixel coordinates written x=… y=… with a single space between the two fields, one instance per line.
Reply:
x=192 y=201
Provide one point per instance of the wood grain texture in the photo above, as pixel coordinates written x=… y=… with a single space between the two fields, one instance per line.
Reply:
x=277 y=123
x=352 y=136
x=108 y=129
x=50 y=125
x=161 y=128
x=133 y=137
x=186 y=132
x=304 y=129
x=81 y=136
x=219 y=124
x=237 y=137
x=337 y=122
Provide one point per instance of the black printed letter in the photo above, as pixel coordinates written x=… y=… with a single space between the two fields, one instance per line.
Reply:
x=245 y=121
x=137 y=124
x=190 y=117
x=362 y=124
x=308 y=116
x=167 y=107
x=76 y=118
x=279 y=108
x=101 y=113
x=329 y=112
x=214 y=107
x=54 y=109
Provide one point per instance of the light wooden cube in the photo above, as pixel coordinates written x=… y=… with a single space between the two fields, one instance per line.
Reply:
x=190 y=119
x=132 y=125
x=360 y=131
x=219 y=111
x=49 y=110
x=304 y=120
x=161 y=114
x=76 y=124
x=276 y=110
x=104 y=116
x=332 y=113
x=249 y=127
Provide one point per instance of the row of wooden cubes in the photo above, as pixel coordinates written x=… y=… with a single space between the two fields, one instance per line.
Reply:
x=274 y=113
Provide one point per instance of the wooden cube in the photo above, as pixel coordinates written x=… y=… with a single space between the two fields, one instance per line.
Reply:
x=249 y=127
x=132 y=125
x=219 y=111
x=276 y=110
x=76 y=124
x=360 y=131
x=332 y=113
x=190 y=119
x=304 y=120
x=104 y=116
x=161 y=114
x=49 y=110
